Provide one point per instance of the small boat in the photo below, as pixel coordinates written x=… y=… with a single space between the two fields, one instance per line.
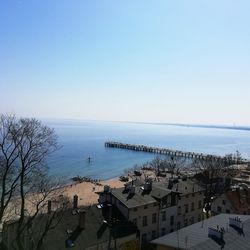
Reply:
x=89 y=159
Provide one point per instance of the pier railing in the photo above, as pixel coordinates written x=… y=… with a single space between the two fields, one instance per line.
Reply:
x=172 y=152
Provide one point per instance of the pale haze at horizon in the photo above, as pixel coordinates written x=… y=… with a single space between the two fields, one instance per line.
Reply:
x=149 y=61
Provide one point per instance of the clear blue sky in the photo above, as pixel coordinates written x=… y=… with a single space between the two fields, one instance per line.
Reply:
x=153 y=61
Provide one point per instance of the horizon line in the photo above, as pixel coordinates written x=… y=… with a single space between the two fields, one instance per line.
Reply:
x=198 y=125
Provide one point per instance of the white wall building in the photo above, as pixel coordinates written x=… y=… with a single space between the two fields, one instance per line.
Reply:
x=157 y=208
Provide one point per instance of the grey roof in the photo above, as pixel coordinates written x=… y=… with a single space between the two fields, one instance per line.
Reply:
x=183 y=187
x=57 y=237
x=159 y=191
x=140 y=198
x=97 y=230
x=195 y=236
x=187 y=187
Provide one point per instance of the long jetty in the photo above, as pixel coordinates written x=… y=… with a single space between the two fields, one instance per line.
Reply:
x=176 y=153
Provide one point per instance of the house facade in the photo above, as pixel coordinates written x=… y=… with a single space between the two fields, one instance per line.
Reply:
x=235 y=200
x=157 y=208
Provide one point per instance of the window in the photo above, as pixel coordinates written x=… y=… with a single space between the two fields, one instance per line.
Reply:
x=200 y=204
x=144 y=238
x=178 y=225
x=135 y=221
x=199 y=217
x=153 y=218
x=153 y=235
x=179 y=210
x=192 y=220
x=163 y=231
x=163 y=215
x=135 y=209
x=193 y=194
x=144 y=221
x=171 y=220
x=186 y=222
x=192 y=206
x=186 y=208
x=219 y=209
x=223 y=202
x=187 y=195
x=227 y=211
x=145 y=207
x=173 y=200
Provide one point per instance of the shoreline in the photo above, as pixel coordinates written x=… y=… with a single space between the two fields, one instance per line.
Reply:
x=86 y=191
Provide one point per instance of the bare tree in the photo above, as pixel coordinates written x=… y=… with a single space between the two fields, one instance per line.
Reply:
x=45 y=206
x=9 y=175
x=174 y=164
x=156 y=164
x=25 y=145
x=211 y=169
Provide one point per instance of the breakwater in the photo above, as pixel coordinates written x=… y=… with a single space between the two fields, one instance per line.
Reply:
x=175 y=153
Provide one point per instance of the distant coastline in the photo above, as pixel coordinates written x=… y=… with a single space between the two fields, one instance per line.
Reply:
x=245 y=128
x=208 y=126
x=195 y=125
x=153 y=123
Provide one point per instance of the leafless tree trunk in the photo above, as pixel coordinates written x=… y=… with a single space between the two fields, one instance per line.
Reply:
x=25 y=145
x=9 y=175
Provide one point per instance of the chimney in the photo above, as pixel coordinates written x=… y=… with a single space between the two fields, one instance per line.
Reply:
x=109 y=206
x=132 y=190
x=75 y=202
x=49 y=206
x=82 y=215
x=106 y=188
x=236 y=222
x=126 y=187
x=213 y=232
x=148 y=186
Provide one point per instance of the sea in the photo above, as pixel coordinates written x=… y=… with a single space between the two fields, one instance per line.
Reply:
x=80 y=140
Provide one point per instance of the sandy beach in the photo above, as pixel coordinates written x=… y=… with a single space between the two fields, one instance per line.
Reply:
x=86 y=190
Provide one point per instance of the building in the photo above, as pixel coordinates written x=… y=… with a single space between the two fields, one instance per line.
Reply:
x=137 y=206
x=157 y=208
x=235 y=200
x=223 y=231
x=167 y=204
x=190 y=202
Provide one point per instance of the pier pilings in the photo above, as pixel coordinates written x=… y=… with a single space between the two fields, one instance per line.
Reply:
x=172 y=152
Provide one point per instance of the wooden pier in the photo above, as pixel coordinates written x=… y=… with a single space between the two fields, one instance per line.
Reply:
x=171 y=152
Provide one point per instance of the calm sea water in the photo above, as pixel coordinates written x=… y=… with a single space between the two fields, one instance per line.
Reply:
x=81 y=139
